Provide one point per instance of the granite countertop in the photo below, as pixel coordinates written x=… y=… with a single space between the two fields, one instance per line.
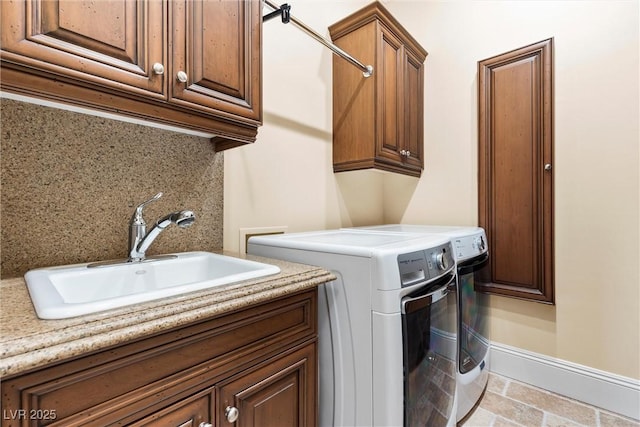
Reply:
x=27 y=342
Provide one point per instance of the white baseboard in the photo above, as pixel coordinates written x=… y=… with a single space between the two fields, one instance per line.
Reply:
x=609 y=391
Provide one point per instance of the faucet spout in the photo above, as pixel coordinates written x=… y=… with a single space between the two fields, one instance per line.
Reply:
x=140 y=240
x=182 y=219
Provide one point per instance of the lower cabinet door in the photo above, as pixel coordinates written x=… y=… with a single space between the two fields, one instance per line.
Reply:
x=280 y=392
x=194 y=411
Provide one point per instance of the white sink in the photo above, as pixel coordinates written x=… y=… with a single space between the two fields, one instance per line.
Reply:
x=74 y=290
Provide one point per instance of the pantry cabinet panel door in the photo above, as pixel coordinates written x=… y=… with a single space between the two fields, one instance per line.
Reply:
x=216 y=52
x=515 y=150
x=111 y=44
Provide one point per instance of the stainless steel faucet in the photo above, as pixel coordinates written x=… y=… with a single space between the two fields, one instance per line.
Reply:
x=140 y=240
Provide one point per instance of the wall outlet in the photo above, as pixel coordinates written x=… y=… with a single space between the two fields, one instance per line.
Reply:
x=246 y=233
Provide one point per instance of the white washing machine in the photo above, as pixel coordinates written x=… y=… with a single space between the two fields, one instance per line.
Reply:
x=472 y=255
x=387 y=325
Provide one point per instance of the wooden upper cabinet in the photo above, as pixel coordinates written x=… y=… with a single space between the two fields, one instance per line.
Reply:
x=190 y=64
x=112 y=44
x=217 y=45
x=378 y=121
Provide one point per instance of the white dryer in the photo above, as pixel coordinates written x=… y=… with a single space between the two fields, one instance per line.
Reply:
x=387 y=325
x=472 y=255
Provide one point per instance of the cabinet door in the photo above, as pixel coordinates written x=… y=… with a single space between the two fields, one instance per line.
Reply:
x=216 y=50
x=112 y=44
x=279 y=393
x=390 y=111
x=413 y=110
x=400 y=103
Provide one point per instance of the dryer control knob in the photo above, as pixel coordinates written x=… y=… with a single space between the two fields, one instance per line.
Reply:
x=480 y=243
x=441 y=261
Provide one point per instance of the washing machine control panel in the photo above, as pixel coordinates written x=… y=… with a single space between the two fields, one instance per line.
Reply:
x=425 y=265
x=469 y=246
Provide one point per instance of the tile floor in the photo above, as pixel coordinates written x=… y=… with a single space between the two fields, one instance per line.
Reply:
x=507 y=402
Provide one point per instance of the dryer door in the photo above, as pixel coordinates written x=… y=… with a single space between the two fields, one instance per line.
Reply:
x=474 y=317
x=429 y=326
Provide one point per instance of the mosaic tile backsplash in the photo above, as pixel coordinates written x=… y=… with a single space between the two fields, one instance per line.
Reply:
x=70 y=183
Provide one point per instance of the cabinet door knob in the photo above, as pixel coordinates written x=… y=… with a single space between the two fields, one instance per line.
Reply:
x=182 y=77
x=231 y=412
x=158 y=68
x=547 y=167
x=408 y=153
x=403 y=153
x=203 y=424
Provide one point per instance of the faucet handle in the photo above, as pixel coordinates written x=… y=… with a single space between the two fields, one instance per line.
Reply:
x=138 y=213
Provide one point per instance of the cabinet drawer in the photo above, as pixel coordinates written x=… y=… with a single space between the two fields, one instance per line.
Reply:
x=190 y=412
x=110 y=386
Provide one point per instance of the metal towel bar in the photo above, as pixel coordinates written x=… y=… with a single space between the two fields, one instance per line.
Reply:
x=284 y=12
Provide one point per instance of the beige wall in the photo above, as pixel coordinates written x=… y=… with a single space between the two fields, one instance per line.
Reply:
x=286 y=178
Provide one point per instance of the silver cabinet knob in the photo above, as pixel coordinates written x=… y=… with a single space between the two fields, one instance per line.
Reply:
x=547 y=167
x=203 y=424
x=182 y=77
x=403 y=152
x=408 y=153
x=231 y=413
x=158 y=68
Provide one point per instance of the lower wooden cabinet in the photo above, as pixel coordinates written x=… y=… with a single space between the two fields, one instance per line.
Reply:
x=276 y=394
x=255 y=367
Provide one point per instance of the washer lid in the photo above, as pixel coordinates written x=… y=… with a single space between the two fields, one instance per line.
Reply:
x=467 y=242
x=449 y=230
x=352 y=242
